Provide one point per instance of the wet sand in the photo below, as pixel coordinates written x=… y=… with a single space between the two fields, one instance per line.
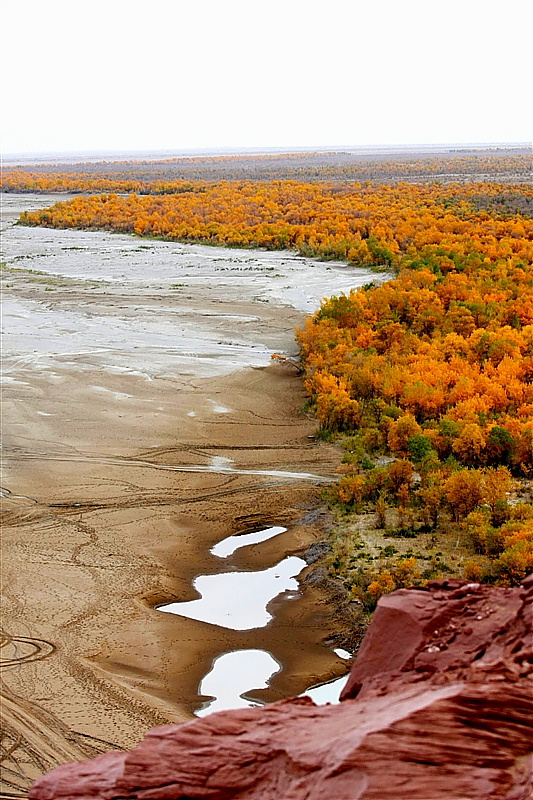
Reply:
x=98 y=525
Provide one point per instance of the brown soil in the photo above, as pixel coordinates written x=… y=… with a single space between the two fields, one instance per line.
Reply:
x=96 y=532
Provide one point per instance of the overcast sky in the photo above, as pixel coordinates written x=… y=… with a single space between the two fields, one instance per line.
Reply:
x=116 y=75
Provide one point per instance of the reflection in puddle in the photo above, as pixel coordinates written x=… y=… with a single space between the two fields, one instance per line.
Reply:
x=238 y=600
x=232 y=675
x=327 y=692
x=228 y=546
x=342 y=653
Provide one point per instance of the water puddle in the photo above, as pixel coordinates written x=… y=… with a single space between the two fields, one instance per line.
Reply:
x=228 y=546
x=342 y=653
x=239 y=672
x=239 y=600
x=326 y=692
x=232 y=675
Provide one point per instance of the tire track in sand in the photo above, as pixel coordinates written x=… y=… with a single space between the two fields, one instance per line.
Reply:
x=34 y=741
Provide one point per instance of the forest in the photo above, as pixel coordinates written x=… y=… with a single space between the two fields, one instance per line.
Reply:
x=425 y=380
x=511 y=165
x=370 y=225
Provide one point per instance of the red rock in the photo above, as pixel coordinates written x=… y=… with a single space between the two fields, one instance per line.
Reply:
x=445 y=628
x=432 y=710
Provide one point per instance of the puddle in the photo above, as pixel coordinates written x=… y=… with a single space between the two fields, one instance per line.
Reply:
x=342 y=653
x=232 y=675
x=239 y=600
x=228 y=546
x=327 y=692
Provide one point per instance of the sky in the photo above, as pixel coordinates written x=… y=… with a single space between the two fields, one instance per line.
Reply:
x=188 y=74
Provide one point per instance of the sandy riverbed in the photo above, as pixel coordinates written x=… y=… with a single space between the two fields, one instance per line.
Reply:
x=111 y=381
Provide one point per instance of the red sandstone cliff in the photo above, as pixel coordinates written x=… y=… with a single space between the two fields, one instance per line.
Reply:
x=438 y=706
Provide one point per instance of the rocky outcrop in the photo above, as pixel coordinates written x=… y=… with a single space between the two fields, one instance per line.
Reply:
x=445 y=631
x=439 y=705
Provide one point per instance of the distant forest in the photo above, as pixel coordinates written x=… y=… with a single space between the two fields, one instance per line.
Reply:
x=511 y=165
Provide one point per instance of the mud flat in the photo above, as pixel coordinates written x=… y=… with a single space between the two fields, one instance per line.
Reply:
x=143 y=424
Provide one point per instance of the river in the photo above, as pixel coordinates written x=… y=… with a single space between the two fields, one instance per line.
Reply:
x=144 y=425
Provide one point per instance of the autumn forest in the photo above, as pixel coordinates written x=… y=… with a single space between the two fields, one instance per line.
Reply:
x=424 y=379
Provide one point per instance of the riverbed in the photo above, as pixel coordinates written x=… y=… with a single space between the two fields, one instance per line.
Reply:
x=143 y=425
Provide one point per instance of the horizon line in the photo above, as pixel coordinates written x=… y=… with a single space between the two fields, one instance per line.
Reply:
x=247 y=149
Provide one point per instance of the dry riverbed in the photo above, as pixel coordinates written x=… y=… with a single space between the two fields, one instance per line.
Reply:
x=144 y=423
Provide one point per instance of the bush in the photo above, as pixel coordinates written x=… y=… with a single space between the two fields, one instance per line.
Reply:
x=349 y=490
x=472 y=572
x=419 y=446
x=515 y=563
